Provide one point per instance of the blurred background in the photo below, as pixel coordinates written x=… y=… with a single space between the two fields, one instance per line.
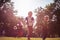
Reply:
x=45 y=12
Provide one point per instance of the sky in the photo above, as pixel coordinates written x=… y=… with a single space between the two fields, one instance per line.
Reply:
x=24 y=6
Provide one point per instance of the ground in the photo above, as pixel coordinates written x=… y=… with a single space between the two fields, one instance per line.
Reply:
x=24 y=38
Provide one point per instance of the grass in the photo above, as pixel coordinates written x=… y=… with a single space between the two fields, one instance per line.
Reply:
x=52 y=38
x=24 y=38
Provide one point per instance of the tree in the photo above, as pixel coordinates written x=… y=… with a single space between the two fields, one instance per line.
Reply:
x=54 y=9
x=40 y=13
x=7 y=18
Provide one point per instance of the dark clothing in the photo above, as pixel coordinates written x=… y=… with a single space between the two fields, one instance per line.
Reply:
x=27 y=19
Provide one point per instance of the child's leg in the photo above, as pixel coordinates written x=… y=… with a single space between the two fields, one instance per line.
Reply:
x=29 y=32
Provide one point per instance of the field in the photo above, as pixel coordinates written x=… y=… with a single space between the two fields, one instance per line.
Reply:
x=24 y=38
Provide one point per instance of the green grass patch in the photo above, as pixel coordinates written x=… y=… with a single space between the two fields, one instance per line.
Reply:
x=13 y=38
x=52 y=38
x=35 y=38
x=25 y=38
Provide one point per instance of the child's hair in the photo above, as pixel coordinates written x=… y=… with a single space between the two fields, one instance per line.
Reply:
x=30 y=12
